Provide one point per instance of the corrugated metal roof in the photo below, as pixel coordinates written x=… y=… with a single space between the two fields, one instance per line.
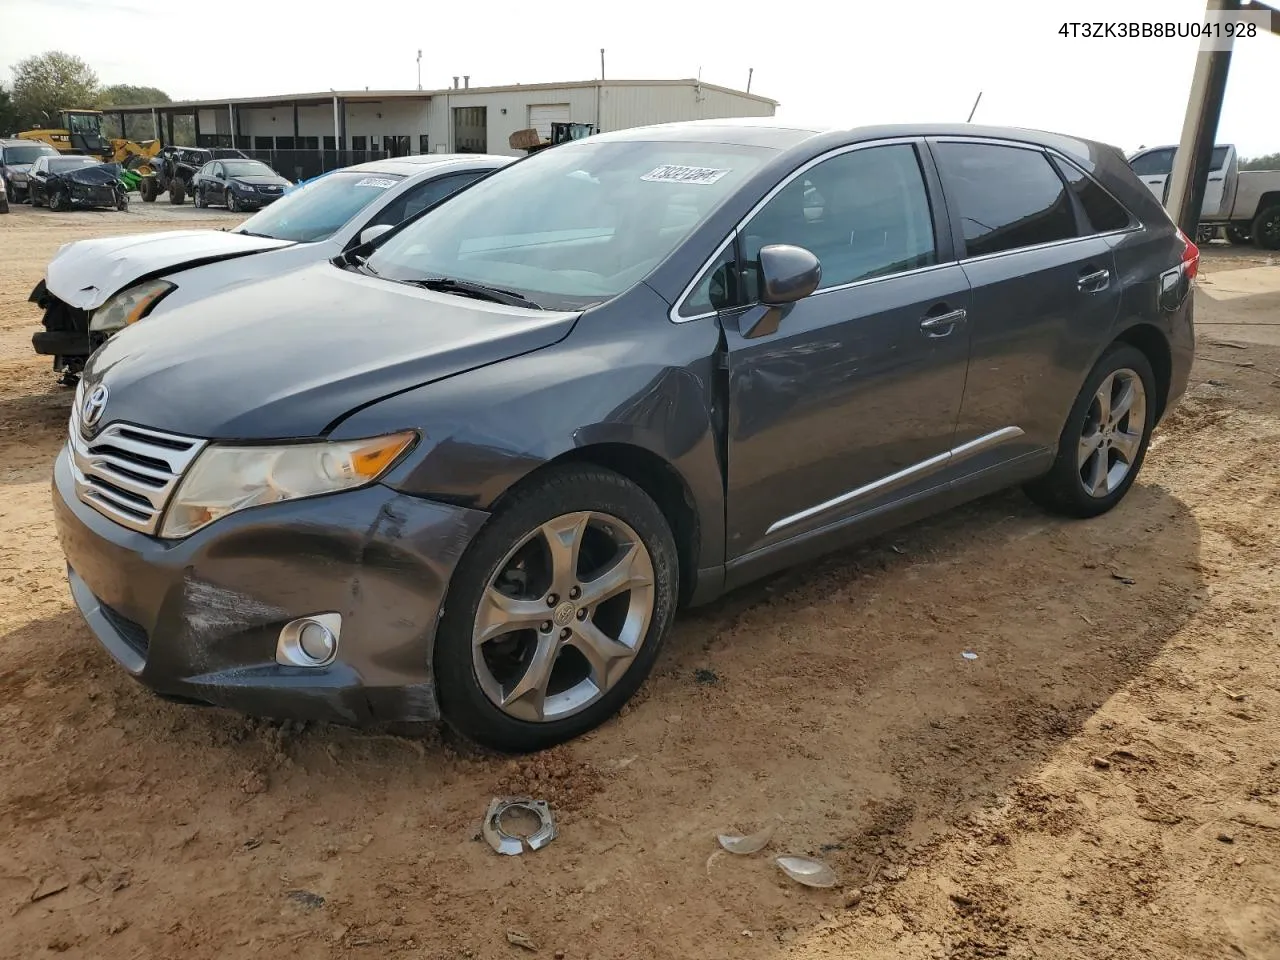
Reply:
x=357 y=96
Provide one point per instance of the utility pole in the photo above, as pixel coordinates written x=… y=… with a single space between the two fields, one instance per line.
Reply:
x=419 y=69
x=1200 y=127
x=602 y=63
x=750 y=71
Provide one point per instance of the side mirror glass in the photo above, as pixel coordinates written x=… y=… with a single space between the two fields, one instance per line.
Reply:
x=373 y=233
x=787 y=273
x=220 y=175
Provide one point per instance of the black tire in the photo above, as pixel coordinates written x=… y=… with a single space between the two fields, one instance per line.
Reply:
x=233 y=205
x=1239 y=236
x=1266 y=228
x=148 y=190
x=122 y=201
x=59 y=201
x=197 y=197
x=554 y=493
x=4 y=205
x=1062 y=490
x=177 y=192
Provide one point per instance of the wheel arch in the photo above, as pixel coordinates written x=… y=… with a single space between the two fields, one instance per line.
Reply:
x=1154 y=345
x=653 y=474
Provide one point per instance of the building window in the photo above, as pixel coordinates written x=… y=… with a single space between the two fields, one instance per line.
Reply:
x=423 y=145
x=331 y=144
x=284 y=143
x=308 y=143
x=396 y=145
x=359 y=143
x=263 y=143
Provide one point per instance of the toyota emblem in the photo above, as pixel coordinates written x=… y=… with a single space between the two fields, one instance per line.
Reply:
x=94 y=405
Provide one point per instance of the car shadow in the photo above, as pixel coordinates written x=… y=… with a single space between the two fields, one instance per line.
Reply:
x=32 y=429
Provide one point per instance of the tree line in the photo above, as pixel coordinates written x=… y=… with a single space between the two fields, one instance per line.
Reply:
x=48 y=83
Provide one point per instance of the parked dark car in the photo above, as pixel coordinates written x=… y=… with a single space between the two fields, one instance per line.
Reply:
x=474 y=469
x=237 y=185
x=174 y=168
x=16 y=158
x=61 y=183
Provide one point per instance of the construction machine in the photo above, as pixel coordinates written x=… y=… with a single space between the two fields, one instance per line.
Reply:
x=81 y=133
x=531 y=141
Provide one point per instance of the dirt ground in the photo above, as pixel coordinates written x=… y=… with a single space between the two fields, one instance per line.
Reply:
x=1103 y=780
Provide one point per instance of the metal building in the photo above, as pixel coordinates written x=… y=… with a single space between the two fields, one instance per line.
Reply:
x=338 y=127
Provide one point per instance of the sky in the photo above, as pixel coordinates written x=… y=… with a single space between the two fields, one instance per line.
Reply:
x=839 y=61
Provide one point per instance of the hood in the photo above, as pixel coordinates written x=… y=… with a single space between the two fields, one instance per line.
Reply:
x=91 y=176
x=86 y=273
x=262 y=179
x=289 y=357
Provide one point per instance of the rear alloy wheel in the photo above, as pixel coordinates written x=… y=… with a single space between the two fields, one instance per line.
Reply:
x=1105 y=438
x=557 y=611
x=1266 y=228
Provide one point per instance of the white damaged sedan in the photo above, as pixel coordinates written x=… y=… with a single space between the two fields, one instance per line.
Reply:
x=94 y=288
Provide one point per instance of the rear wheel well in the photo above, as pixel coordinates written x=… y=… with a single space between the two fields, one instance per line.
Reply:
x=1155 y=346
x=1266 y=200
x=657 y=478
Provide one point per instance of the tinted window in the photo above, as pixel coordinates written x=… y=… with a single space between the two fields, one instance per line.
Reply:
x=1100 y=209
x=1006 y=197
x=416 y=199
x=863 y=214
x=247 y=168
x=1157 y=163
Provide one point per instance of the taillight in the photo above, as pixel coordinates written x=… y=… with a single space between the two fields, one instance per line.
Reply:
x=1190 y=257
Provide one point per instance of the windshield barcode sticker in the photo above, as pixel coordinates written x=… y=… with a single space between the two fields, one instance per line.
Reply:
x=382 y=183
x=673 y=173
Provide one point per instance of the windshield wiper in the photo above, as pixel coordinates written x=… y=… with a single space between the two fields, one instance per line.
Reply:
x=469 y=288
x=250 y=233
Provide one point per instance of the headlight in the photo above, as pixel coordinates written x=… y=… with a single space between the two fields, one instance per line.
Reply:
x=18 y=177
x=129 y=306
x=225 y=479
x=243 y=187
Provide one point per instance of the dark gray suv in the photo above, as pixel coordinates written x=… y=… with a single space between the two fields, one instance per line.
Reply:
x=474 y=467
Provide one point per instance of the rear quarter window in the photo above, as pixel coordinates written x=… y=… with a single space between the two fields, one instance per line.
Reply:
x=1103 y=211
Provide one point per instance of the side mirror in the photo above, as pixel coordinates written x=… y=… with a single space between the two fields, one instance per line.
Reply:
x=787 y=273
x=369 y=234
x=220 y=175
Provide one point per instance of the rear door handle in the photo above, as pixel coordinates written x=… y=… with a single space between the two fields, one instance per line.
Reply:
x=1095 y=281
x=943 y=323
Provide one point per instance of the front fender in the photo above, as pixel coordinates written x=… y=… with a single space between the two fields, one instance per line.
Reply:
x=625 y=376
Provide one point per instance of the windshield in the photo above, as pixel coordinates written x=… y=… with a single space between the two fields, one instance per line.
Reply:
x=28 y=154
x=247 y=168
x=84 y=122
x=317 y=210
x=63 y=164
x=573 y=225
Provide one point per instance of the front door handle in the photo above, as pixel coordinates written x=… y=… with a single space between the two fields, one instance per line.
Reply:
x=942 y=324
x=1095 y=281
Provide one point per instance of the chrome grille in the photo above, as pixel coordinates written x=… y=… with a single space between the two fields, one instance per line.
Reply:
x=128 y=473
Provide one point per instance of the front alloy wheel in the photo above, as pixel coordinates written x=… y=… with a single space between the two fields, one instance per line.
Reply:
x=555 y=614
x=233 y=205
x=564 y=616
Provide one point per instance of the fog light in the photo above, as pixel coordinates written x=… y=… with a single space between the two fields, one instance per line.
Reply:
x=309 y=641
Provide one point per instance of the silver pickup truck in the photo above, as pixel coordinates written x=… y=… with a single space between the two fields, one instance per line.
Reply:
x=1244 y=205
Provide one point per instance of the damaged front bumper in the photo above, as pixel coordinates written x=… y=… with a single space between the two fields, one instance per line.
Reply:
x=199 y=619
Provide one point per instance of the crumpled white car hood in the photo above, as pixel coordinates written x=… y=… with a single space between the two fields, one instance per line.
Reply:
x=87 y=273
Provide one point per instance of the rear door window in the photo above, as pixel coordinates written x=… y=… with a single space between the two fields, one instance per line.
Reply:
x=1005 y=197
x=1103 y=212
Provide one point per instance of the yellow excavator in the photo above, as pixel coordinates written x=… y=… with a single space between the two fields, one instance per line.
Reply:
x=81 y=133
